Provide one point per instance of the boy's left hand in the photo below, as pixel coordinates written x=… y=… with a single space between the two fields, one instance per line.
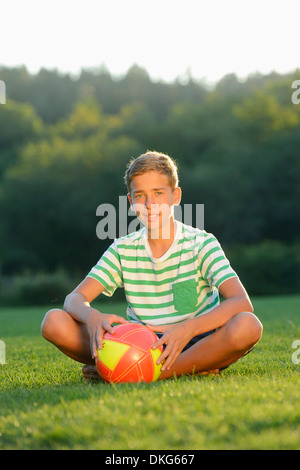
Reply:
x=175 y=337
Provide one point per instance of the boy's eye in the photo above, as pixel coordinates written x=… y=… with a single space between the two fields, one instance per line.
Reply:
x=141 y=195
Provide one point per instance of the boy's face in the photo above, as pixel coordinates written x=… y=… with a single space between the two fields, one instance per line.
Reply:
x=153 y=199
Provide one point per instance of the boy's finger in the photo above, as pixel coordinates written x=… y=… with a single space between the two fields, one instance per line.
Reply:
x=107 y=327
x=94 y=347
x=170 y=359
x=158 y=328
x=99 y=338
x=118 y=319
x=159 y=343
x=162 y=340
x=121 y=319
x=165 y=354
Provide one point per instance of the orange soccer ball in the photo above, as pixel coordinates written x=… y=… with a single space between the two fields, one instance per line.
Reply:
x=127 y=355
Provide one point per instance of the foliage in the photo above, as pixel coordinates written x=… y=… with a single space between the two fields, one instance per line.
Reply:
x=36 y=288
x=268 y=266
x=65 y=143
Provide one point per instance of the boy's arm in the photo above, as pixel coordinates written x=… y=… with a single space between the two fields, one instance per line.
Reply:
x=77 y=304
x=176 y=336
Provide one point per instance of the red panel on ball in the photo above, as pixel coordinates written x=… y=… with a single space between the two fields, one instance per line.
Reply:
x=130 y=358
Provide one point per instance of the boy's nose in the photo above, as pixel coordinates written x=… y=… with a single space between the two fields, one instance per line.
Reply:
x=148 y=202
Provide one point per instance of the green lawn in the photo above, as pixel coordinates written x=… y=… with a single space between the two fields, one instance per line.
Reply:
x=255 y=404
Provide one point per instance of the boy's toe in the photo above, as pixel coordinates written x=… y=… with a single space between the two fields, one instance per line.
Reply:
x=90 y=373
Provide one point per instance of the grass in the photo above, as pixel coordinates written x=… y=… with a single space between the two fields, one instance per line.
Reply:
x=255 y=404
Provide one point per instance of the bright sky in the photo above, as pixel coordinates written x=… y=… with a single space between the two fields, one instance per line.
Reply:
x=210 y=37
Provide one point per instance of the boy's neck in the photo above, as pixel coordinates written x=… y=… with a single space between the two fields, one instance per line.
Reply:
x=161 y=242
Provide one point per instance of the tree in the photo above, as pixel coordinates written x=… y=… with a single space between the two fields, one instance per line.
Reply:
x=262 y=117
x=19 y=124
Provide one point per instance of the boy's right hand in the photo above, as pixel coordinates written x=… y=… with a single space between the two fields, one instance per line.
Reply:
x=98 y=324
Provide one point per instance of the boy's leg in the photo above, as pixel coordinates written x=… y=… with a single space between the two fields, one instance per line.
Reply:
x=220 y=349
x=68 y=335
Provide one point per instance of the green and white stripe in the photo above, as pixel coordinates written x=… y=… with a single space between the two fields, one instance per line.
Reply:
x=157 y=290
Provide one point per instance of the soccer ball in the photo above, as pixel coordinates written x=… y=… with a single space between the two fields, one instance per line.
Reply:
x=127 y=355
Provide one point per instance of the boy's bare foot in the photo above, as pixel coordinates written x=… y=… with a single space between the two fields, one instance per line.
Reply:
x=90 y=373
x=210 y=372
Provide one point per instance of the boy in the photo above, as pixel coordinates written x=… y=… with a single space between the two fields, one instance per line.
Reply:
x=172 y=275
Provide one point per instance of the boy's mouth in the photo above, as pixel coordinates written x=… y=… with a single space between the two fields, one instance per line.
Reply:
x=152 y=217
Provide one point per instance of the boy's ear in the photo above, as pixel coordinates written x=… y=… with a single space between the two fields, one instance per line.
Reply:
x=177 y=196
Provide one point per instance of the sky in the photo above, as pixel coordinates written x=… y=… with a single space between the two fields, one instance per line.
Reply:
x=207 y=39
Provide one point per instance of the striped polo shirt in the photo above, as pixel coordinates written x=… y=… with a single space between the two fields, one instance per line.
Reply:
x=181 y=284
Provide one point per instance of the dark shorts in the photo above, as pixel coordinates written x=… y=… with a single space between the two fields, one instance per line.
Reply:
x=193 y=340
x=198 y=338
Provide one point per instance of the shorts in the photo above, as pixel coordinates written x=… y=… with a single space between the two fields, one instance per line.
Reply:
x=197 y=338
x=193 y=340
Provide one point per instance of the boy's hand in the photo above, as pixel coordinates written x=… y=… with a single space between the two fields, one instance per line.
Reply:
x=97 y=325
x=175 y=337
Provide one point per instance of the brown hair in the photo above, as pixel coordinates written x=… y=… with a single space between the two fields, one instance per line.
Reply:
x=152 y=161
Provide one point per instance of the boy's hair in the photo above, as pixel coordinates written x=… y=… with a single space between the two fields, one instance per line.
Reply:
x=152 y=161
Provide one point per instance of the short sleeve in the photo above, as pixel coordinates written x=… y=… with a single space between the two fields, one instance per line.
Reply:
x=108 y=271
x=214 y=266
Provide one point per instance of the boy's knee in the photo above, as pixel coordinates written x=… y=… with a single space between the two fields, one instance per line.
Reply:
x=247 y=330
x=50 y=323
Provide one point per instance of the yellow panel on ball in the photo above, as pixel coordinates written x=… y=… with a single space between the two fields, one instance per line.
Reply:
x=110 y=356
x=155 y=353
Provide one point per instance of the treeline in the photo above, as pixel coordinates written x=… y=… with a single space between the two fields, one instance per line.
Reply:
x=65 y=143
